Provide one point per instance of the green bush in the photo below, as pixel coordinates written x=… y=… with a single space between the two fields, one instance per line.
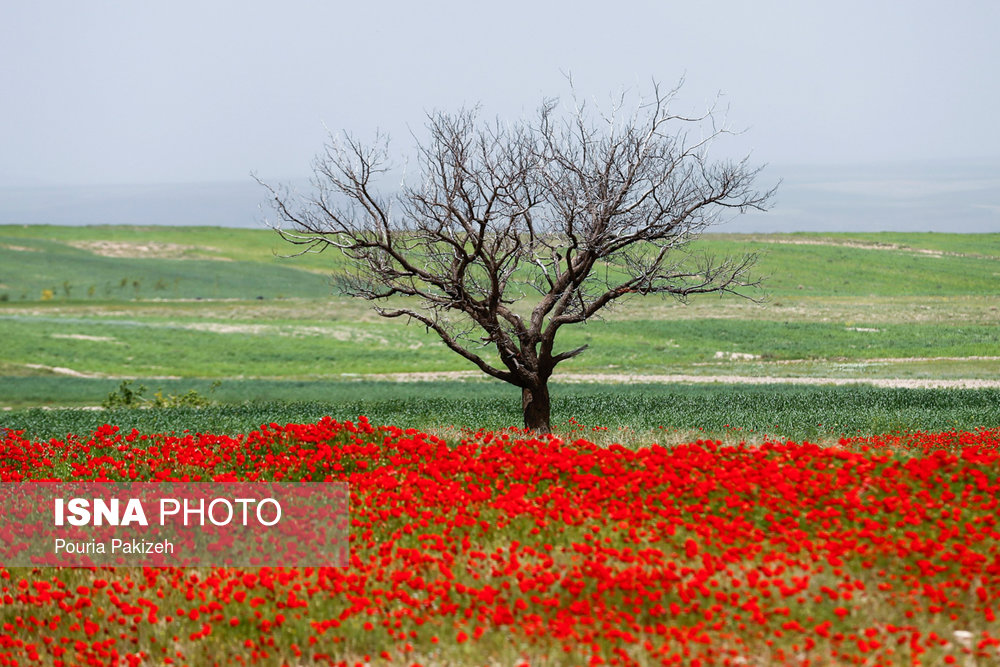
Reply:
x=127 y=397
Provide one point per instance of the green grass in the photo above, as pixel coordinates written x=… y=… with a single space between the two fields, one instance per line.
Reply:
x=190 y=347
x=74 y=274
x=37 y=258
x=842 y=270
x=639 y=345
x=629 y=413
x=210 y=303
x=259 y=246
x=984 y=245
x=185 y=344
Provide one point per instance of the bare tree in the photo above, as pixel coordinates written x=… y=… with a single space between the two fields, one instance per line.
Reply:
x=514 y=230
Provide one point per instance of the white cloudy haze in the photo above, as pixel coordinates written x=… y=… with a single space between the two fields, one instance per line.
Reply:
x=874 y=113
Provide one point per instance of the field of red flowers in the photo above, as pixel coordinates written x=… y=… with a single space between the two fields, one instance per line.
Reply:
x=505 y=549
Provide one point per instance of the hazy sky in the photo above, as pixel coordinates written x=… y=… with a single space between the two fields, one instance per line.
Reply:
x=182 y=91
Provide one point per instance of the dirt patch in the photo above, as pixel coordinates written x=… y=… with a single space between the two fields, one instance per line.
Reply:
x=222 y=328
x=872 y=360
x=873 y=246
x=624 y=378
x=69 y=372
x=620 y=378
x=617 y=378
x=147 y=250
x=60 y=370
x=96 y=339
x=430 y=376
x=343 y=334
x=19 y=248
x=853 y=244
x=736 y=356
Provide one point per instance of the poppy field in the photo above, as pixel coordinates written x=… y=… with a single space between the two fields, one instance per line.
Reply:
x=509 y=549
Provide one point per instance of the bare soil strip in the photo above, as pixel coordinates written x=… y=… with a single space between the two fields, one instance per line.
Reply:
x=872 y=246
x=69 y=372
x=872 y=360
x=624 y=378
x=93 y=339
x=60 y=370
x=913 y=383
x=605 y=378
x=146 y=250
x=19 y=248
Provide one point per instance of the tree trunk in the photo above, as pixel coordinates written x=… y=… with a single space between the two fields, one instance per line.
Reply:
x=537 y=408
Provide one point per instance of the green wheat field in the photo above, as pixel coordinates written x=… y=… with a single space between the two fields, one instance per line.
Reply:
x=221 y=315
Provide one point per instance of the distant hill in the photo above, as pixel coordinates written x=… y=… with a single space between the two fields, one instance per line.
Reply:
x=945 y=197
x=960 y=197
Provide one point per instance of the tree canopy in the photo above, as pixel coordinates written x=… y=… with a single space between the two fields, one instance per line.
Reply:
x=510 y=231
